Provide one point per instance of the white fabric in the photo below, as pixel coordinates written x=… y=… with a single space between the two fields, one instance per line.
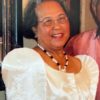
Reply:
x=28 y=77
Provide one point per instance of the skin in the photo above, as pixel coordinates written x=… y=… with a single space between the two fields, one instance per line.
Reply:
x=54 y=38
x=51 y=38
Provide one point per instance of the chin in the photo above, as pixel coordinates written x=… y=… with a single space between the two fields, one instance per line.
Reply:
x=59 y=46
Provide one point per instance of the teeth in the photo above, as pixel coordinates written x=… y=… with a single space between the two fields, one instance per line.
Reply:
x=57 y=35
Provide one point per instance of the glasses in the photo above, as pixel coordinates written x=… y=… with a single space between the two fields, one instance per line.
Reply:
x=48 y=22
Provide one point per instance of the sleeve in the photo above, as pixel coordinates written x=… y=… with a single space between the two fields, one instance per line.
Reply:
x=24 y=75
x=87 y=79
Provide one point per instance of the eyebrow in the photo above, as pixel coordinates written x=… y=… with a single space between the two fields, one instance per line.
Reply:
x=50 y=17
x=62 y=15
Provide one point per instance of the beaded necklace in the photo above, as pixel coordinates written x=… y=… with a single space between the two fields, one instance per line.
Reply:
x=54 y=60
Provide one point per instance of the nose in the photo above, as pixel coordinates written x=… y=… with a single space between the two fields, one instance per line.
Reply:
x=56 y=25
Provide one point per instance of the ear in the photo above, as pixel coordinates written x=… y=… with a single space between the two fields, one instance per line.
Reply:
x=34 y=29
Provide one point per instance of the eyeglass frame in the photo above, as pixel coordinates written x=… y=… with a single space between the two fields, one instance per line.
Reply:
x=49 y=22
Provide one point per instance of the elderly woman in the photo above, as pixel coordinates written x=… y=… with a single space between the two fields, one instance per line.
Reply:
x=46 y=72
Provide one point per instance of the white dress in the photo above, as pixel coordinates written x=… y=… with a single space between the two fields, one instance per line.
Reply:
x=28 y=77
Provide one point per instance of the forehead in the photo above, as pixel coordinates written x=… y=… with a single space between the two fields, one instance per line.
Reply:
x=49 y=8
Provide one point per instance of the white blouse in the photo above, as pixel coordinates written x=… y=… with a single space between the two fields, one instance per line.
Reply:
x=28 y=77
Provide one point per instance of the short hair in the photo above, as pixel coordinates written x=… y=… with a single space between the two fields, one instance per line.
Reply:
x=31 y=19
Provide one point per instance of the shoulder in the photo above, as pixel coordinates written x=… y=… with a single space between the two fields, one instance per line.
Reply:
x=89 y=73
x=88 y=34
x=22 y=67
x=83 y=35
x=80 y=62
x=21 y=52
x=89 y=65
x=74 y=64
x=17 y=58
x=87 y=60
x=79 y=41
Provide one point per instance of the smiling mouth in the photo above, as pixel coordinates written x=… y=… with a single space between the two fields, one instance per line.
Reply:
x=59 y=35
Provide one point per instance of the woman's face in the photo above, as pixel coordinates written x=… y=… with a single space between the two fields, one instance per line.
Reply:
x=53 y=25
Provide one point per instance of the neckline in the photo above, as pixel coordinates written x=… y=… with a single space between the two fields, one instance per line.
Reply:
x=54 y=60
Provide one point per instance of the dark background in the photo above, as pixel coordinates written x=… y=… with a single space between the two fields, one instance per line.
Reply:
x=12 y=36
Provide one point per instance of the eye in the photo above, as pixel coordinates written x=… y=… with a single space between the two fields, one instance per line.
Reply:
x=47 y=22
x=62 y=19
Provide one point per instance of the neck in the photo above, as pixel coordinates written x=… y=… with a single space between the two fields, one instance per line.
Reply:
x=54 y=58
x=53 y=51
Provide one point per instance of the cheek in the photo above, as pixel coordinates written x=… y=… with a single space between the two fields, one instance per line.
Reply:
x=67 y=29
x=42 y=32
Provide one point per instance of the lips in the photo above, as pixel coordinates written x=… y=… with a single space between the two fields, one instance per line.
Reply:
x=58 y=35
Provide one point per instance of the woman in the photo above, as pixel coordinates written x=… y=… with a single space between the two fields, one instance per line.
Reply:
x=46 y=72
x=88 y=42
